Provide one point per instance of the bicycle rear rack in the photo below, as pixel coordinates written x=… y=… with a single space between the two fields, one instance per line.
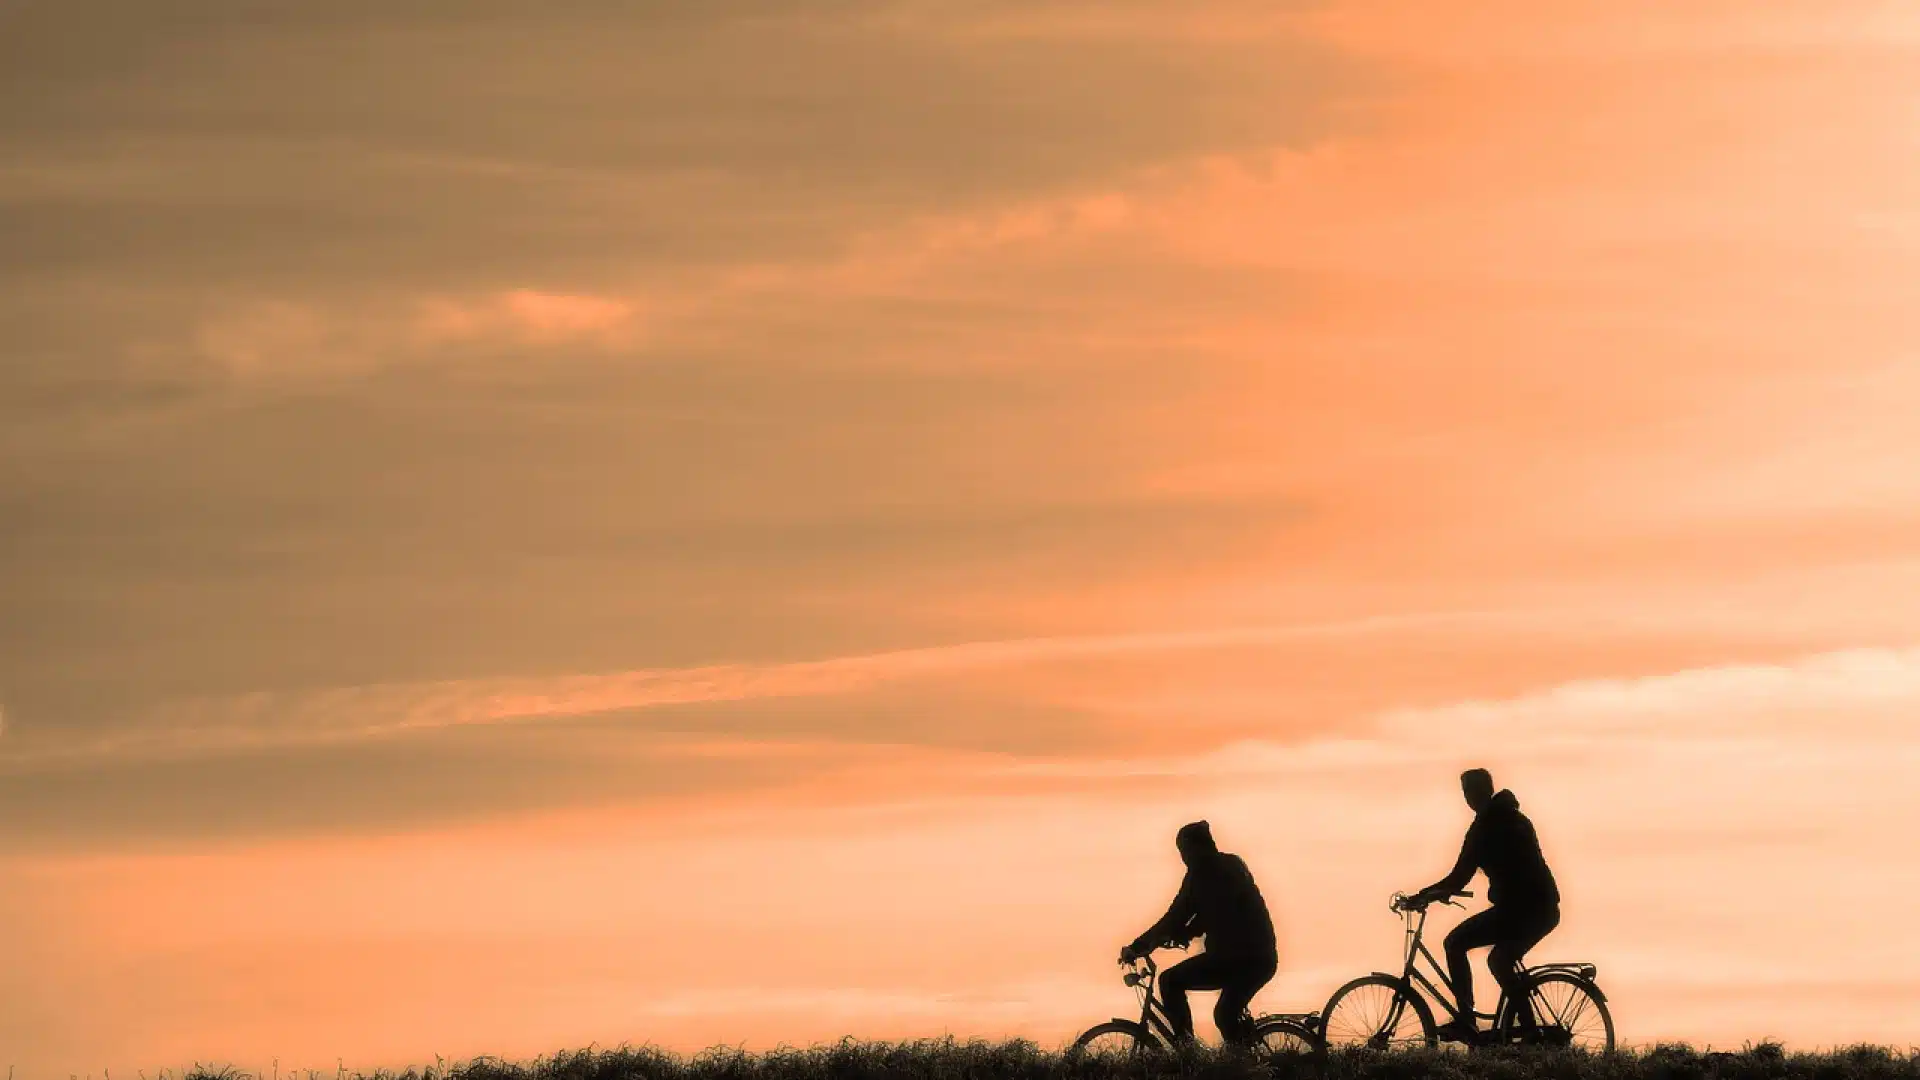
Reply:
x=1585 y=971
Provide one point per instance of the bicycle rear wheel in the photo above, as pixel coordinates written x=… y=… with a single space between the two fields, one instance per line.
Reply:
x=1568 y=1011
x=1277 y=1036
x=1115 y=1038
x=1377 y=1012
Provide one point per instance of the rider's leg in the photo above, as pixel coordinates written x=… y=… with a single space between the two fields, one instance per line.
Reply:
x=1524 y=932
x=1230 y=1011
x=1194 y=973
x=1475 y=932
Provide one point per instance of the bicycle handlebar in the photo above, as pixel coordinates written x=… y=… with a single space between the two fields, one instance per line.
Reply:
x=1140 y=970
x=1401 y=902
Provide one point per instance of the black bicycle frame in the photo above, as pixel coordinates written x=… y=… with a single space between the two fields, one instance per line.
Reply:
x=1416 y=926
x=1153 y=1012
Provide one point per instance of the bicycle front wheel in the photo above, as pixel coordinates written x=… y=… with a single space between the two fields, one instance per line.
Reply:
x=1567 y=1011
x=1377 y=1012
x=1278 y=1036
x=1115 y=1038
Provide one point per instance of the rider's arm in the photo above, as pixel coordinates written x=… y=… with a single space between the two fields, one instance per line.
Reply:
x=1462 y=872
x=1173 y=923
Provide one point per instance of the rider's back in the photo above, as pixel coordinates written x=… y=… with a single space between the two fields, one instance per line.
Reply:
x=1502 y=842
x=1231 y=912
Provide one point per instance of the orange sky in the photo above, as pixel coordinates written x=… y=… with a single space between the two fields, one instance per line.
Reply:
x=529 y=525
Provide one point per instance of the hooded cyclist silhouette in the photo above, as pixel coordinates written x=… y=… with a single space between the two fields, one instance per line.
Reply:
x=1217 y=898
x=1525 y=900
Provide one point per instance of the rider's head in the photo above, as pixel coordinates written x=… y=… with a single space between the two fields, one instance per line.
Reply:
x=1195 y=841
x=1477 y=786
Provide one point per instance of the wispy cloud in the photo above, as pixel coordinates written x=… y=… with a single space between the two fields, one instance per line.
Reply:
x=1836 y=700
x=1824 y=693
x=274 y=340
x=302 y=341
x=533 y=317
x=266 y=720
x=1827 y=693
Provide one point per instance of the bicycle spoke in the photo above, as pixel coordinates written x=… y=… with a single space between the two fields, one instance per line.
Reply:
x=1369 y=1017
x=1566 y=1013
x=1571 y=1019
x=1374 y=1015
x=1284 y=1039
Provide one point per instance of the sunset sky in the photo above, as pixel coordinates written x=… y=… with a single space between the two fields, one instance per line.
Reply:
x=527 y=524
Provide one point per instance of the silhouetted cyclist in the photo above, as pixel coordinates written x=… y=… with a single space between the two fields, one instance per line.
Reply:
x=1217 y=898
x=1525 y=899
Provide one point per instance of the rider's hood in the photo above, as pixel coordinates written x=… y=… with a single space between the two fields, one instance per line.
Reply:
x=1506 y=802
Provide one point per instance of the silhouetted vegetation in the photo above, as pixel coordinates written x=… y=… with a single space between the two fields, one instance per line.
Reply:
x=952 y=1060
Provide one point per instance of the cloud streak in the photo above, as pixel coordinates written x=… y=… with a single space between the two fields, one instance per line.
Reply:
x=267 y=721
x=1720 y=696
x=1838 y=704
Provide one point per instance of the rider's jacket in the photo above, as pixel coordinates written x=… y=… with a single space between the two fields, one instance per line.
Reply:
x=1501 y=841
x=1219 y=899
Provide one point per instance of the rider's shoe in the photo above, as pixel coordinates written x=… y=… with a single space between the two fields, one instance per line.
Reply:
x=1460 y=1031
x=1541 y=1034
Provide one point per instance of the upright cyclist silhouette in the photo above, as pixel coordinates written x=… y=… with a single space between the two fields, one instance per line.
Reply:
x=1525 y=899
x=1217 y=898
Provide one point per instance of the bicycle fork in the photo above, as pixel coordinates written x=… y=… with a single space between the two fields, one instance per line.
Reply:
x=1392 y=1022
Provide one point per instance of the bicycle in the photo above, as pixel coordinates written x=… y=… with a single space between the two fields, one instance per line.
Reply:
x=1382 y=1011
x=1273 y=1033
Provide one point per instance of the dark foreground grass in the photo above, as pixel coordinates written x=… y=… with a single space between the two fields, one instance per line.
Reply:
x=951 y=1060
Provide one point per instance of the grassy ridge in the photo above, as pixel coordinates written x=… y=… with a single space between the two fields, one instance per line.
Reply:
x=950 y=1060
